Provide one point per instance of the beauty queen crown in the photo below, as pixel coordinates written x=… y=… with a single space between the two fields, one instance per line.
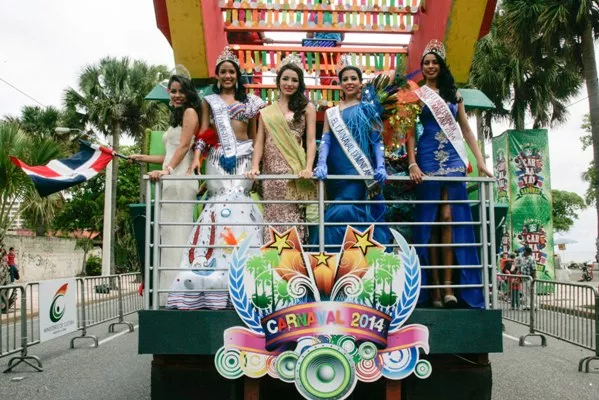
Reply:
x=227 y=55
x=348 y=60
x=292 y=59
x=324 y=320
x=435 y=46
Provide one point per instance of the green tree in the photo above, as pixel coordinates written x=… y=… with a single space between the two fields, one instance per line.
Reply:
x=86 y=244
x=590 y=175
x=565 y=29
x=566 y=206
x=521 y=84
x=110 y=98
x=14 y=184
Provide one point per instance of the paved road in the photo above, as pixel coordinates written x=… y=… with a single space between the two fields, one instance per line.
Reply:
x=116 y=371
x=541 y=373
x=112 y=371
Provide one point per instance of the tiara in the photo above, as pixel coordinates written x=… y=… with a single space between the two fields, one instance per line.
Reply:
x=348 y=60
x=180 y=70
x=227 y=55
x=292 y=59
x=435 y=46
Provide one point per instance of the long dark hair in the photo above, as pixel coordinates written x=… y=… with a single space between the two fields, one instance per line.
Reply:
x=240 y=94
x=297 y=101
x=191 y=100
x=445 y=82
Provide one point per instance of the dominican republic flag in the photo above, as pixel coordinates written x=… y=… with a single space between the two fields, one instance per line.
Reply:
x=58 y=175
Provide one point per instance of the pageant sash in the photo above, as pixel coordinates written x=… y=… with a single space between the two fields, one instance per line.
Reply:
x=292 y=152
x=347 y=142
x=226 y=136
x=445 y=119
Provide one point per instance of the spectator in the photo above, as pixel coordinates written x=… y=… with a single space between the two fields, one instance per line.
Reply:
x=528 y=268
x=12 y=265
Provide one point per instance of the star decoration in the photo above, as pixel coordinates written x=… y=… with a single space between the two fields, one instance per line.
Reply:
x=280 y=243
x=363 y=242
x=322 y=259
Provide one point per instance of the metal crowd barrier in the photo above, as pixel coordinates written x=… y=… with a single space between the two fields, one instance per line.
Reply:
x=99 y=299
x=485 y=225
x=16 y=323
x=566 y=311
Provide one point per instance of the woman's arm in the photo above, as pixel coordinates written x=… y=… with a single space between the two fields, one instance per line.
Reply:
x=146 y=158
x=310 y=141
x=321 y=169
x=258 y=151
x=252 y=128
x=413 y=168
x=471 y=140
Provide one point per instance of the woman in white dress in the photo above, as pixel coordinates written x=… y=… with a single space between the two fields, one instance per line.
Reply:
x=228 y=127
x=178 y=140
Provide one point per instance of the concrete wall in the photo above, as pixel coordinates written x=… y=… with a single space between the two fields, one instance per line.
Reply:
x=41 y=258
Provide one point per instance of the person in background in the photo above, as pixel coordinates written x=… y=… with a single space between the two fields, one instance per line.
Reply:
x=12 y=264
x=528 y=268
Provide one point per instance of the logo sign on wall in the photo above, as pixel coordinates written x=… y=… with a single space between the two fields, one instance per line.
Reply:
x=58 y=308
x=324 y=321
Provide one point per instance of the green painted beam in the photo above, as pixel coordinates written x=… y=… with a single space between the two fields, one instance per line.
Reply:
x=165 y=332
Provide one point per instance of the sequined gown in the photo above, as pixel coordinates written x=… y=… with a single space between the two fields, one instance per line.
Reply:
x=274 y=163
x=436 y=156
x=221 y=223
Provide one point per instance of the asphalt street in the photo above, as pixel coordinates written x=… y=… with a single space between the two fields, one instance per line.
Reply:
x=116 y=371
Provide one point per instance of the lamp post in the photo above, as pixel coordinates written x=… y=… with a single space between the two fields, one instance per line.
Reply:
x=107 y=231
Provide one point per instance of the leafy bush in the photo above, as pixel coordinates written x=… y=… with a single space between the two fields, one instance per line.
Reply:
x=93 y=266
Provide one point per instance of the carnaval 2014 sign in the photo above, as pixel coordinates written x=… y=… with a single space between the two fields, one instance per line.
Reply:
x=324 y=318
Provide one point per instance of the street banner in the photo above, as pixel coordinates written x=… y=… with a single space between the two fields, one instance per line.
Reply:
x=57 y=308
x=521 y=164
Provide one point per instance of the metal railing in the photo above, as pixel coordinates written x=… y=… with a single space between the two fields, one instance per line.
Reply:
x=154 y=246
x=562 y=310
x=99 y=300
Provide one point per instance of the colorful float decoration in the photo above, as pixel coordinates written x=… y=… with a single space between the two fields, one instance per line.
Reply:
x=324 y=321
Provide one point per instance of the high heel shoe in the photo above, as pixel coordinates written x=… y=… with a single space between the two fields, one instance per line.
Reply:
x=436 y=298
x=449 y=299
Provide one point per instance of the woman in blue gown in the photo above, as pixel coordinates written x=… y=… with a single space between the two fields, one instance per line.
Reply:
x=441 y=152
x=364 y=125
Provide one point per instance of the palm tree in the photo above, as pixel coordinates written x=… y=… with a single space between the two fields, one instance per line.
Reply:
x=110 y=98
x=566 y=29
x=531 y=83
x=14 y=184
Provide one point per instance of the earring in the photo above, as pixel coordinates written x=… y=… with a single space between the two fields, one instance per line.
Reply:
x=218 y=85
x=236 y=85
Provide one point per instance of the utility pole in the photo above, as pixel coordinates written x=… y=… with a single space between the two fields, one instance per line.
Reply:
x=107 y=231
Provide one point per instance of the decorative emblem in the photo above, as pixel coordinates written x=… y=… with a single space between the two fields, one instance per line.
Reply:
x=324 y=321
x=529 y=164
